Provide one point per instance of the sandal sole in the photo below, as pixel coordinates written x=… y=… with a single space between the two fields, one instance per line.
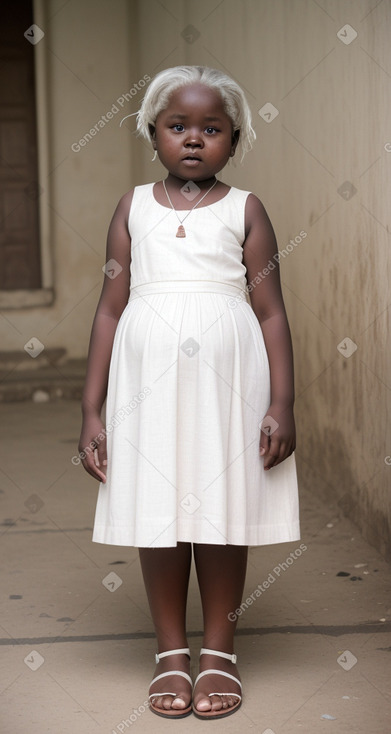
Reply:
x=218 y=714
x=171 y=714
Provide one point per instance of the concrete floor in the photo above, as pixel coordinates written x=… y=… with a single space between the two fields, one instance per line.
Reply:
x=78 y=656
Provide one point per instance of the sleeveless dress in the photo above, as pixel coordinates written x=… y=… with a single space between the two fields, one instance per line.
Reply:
x=189 y=384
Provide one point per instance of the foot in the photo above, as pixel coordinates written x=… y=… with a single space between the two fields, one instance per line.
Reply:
x=172 y=683
x=209 y=683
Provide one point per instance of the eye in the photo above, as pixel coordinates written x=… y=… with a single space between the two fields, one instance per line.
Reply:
x=178 y=124
x=210 y=130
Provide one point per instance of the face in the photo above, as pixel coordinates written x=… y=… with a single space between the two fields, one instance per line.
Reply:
x=193 y=136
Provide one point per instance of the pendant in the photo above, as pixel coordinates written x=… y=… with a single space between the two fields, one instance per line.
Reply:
x=181 y=231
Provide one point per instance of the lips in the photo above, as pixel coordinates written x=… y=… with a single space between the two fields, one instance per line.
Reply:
x=191 y=158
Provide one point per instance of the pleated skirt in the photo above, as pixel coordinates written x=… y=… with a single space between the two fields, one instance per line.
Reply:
x=189 y=385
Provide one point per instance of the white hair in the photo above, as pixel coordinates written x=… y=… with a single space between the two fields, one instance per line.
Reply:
x=167 y=81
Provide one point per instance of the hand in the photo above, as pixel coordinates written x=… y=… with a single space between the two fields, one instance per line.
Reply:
x=278 y=436
x=92 y=446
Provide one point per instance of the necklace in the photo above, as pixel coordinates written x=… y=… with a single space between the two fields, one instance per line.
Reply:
x=181 y=230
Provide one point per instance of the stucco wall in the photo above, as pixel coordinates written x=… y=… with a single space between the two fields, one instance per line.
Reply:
x=333 y=107
x=321 y=166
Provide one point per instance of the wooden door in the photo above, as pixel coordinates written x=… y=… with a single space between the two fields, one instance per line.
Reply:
x=19 y=188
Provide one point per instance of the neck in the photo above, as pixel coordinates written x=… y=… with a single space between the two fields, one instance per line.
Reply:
x=177 y=183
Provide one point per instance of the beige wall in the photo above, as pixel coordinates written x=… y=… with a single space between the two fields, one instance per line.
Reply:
x=334 y=108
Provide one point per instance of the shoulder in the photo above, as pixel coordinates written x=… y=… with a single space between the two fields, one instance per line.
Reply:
x=253 y=204
x=126 y=199
x=123 y=207
x=256 y=215
x=121 y=212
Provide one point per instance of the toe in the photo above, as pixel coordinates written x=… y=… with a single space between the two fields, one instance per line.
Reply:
x=166 y=702
x=179 y=703
x=217 y=703
x=203 y=704
x=157 y=701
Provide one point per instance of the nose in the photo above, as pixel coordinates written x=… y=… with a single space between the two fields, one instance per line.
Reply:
x=194 y=139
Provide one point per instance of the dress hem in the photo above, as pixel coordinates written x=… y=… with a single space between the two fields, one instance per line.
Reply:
x=277 y=534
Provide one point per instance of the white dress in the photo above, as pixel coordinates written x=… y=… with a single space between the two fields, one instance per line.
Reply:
x=189 y=385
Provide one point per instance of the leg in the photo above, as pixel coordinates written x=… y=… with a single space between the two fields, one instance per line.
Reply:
x=221 y=573
x=166 y=577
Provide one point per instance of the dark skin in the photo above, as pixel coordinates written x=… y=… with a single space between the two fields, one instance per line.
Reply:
x=194 y=139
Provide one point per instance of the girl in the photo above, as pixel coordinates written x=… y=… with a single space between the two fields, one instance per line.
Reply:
x=199 y=381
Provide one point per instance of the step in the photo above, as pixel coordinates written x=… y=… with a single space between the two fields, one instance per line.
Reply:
x=50 y=376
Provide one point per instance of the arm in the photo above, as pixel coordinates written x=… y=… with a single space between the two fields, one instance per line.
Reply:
x=113 y=299
x=267 y=302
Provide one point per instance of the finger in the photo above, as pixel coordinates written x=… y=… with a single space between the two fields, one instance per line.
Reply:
x=282 y=454
x=101 y=459
x=98 y=465
x=285 y=450
x=264 y=442
x=266 y=426
x=97 y=474
x=272 y=454
x=91 y=467
x=102 y=454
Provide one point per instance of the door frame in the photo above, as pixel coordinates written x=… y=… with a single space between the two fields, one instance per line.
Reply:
x=44 y=296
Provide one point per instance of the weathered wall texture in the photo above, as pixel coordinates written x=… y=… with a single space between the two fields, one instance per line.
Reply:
x=321 y=166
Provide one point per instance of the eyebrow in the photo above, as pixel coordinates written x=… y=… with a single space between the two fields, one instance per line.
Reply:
x=179 y=116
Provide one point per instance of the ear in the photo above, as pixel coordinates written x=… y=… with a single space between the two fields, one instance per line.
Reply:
x=152 y=132
x=235 y=140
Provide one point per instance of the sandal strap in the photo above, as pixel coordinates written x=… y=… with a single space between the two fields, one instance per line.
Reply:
x=163 y=693
x=180 y=650
x=219 y=672
x=170 y=672
x=205 y=651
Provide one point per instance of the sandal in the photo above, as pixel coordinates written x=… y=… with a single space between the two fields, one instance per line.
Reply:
x=220 y=713
x=170 y=713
